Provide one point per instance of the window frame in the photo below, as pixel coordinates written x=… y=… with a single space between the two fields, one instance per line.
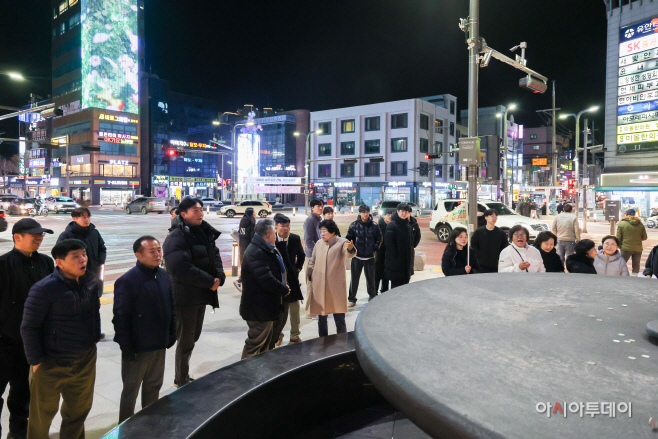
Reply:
x=342 y=150
x=371 y=165
x=344 y=166
x=424 y=122
x=406 y=144
x=420 y=145
x=367 y=124
x=321 y=126
x=398 y=163
x=365 y=146
x=394 y=117
x=324 y=164
x=346 y=121
x=320 y=148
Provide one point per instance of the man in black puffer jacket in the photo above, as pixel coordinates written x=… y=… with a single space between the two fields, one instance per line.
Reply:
x=401 y=238
x=264 y=287
x=196 y=271
x=144 y=325
x=61 y=326
x=365 y=235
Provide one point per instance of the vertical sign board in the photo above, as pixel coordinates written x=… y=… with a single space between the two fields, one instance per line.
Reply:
x=637 y=92
x=469 y=151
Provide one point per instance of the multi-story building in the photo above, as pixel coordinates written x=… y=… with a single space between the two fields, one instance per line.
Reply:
x=397 y=135
x=631 y=115
x=538 y=156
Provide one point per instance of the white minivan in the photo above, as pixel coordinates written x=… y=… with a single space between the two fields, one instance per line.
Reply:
x=448 y=214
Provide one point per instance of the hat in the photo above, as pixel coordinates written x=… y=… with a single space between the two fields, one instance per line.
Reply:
x=28 y=225
x=630 y=212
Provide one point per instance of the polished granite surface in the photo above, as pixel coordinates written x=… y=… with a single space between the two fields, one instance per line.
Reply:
x=314 y=389
x=477 y=356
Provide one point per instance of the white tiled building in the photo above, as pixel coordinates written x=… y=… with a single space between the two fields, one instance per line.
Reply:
x=402 y=132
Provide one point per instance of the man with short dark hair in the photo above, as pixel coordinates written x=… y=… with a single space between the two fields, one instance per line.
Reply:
x=21 y=268
x=401 y=238
x=196 y=271
x=311 y=230
x=365 y=235
x=61 y=326
x=264 y=287
x=290 y=247
x=144 y=325
x=566 y=228
x=487 y=242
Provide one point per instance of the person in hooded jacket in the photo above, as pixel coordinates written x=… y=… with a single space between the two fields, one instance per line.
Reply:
x=246 y=233
x=196 y=271
x=608 y=259
x=582 y=261
x=455 y=257
x=401 y=238
x=365 y=234
x=631 y=233
x=545 y=243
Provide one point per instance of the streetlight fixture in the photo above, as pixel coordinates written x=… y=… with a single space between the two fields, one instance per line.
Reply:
x=308 y=156
x=13 y=75
x=577 y=116
x=506 y=198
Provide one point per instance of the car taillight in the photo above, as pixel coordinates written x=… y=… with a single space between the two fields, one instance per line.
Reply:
x=151 y=202
x=2 y=214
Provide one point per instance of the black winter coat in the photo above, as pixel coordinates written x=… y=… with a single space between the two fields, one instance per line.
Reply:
x=144 y=317
x=17 y=275
x=487 y=245
x=454 y=261
x=294 y=257
x=263 y=288
x=380 y=255
x=580 y=264
x=246 y=232
x=96 y=251
x=62 y=319
x=400 y=240
x=651 y=266
x=552 y=261
x=366 y=237
x=193 y=263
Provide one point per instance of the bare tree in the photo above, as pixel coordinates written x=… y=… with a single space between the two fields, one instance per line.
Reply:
x=8 y=166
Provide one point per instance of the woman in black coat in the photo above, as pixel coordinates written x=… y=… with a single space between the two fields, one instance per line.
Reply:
x=582 y=261
x=399 y=240
x=246 y=232
x=545 y=243
x=455 y=256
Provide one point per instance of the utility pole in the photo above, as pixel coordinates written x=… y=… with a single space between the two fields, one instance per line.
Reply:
x=584 y=186
x=473 y=78
x=554 y=179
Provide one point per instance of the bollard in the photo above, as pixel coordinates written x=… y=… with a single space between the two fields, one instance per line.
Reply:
x=352 y=209
x=207 y=209
x=234 y=268
x=294 y=211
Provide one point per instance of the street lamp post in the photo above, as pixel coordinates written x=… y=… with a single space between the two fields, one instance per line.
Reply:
x=577 y=116
x=505 y=179
x=306 y=164
x=13 y=75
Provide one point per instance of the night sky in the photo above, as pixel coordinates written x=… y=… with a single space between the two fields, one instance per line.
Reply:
x=320 y=55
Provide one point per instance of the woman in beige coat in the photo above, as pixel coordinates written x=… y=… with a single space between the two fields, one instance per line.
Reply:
x=326 y=271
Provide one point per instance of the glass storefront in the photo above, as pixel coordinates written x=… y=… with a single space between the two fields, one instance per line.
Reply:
x=116 y=196
x=81 y=193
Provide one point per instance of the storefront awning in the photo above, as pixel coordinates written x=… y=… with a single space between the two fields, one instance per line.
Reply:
x=627 y=188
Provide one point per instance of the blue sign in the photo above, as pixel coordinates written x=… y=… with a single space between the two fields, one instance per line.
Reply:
x=638 y=30
x=637 y=108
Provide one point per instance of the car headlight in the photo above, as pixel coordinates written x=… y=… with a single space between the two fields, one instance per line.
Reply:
x=59 y=205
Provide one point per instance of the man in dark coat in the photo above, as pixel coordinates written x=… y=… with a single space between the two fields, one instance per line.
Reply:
x=245 y=234
x=195 y=269
x=264 y=287
x=380 y=256
x=290 y=247
x=365 y=235
x=401 y=238
x=21 y=268
x=61 y=326
x=144 y=325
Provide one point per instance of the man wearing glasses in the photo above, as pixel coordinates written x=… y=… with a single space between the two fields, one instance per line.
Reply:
x=21 y=268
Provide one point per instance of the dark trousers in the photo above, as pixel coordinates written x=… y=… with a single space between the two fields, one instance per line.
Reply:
x=398 y=283
x=368 y=267
x=380 y=259
x=189 y=321
x=74 y=381
x=637 y=256
x=15 y=371
x=258 y=338
x=277 y=326
x=339 y=319
x=145 y=371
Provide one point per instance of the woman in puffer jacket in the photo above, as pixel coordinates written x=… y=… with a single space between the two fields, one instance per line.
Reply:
x=608 y=260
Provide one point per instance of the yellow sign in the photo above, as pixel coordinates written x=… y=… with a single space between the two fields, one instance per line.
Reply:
x=540 y=162
x=637 y=137
x=637 y=127
x=62 y=141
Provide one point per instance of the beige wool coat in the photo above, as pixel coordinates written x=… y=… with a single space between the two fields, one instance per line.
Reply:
x=326 y=272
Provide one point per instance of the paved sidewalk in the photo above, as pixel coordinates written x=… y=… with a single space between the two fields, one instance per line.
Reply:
x=220 y=344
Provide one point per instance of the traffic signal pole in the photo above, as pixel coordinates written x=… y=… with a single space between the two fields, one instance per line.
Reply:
x=474 y=47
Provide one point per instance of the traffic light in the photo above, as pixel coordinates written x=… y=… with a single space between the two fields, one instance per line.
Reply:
x=432 y=156
x=174 y=153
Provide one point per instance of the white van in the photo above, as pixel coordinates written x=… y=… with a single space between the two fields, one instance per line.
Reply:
x=448 y=214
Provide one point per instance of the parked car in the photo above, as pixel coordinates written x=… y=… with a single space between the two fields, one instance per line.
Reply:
x=3 y=220
x=262 y=208
x=146 y=205
x=6 y=199
x=449 y=214
x=60 y=204
x=212 y=202
x=21 y=206
x=385 y=205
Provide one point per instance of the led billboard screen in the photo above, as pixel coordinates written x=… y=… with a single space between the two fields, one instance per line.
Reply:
x=110 y=77
x=248 y=160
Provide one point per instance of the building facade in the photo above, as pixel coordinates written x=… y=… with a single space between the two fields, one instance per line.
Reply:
x=370 y=153
x=538 y=156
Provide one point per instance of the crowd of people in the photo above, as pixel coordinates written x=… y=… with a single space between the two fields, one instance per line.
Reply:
x=50 y=307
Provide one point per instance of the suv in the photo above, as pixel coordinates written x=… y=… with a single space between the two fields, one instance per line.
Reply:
x=146 y=205
x=448 y=214
x=6 y=199
x=385 y=205
x=212 y=202
x=3 y=220
x=262 y=208
x=60 y=204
